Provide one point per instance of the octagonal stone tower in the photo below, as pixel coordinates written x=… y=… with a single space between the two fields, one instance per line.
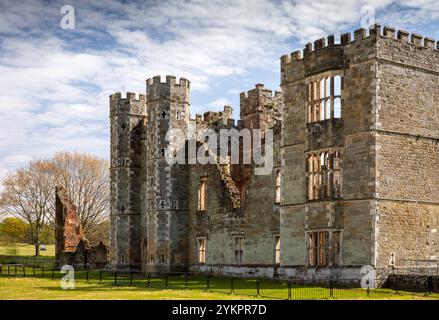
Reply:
x=128 y=122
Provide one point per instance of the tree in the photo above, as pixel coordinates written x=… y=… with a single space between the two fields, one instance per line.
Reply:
x=12 y=230
x=86 y=180
x=28 y=195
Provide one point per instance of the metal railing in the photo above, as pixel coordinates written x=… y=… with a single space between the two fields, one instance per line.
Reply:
x=292 y=289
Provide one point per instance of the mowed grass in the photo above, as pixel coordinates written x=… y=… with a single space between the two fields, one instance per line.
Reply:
x=24 y=249
x=12 y=288
x=43 y=288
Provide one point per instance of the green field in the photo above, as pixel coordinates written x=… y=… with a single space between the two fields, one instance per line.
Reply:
x=24 y=249
x=46 y=289
x=41 y=286
x=30 y=283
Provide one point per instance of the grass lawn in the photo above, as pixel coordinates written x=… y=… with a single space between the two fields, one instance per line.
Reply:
x=24 y=249
x=12 y=288
x=30 y=287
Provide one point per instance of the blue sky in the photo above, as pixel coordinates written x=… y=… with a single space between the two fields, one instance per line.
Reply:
x=55 y=83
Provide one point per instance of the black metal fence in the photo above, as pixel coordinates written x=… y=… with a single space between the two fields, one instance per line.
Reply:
x=31 y=261
x=292 y=289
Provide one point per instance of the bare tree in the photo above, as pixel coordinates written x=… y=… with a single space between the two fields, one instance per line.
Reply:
x=86 y=181
x=28 y=195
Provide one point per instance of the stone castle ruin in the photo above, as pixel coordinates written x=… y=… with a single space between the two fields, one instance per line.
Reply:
x=355 y=169
x=71 y=247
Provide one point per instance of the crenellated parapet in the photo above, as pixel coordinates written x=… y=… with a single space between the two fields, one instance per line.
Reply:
x=357 y=36
x=170 y=89
x=131 y=104
x=260 y=107
x=333 y=53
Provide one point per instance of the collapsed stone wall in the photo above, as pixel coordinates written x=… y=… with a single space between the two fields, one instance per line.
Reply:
x=72 y=248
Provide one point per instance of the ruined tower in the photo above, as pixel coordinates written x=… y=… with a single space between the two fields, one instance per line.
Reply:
x=128 y=121
x=359 y=150
x=260 y=108
x=164 y=221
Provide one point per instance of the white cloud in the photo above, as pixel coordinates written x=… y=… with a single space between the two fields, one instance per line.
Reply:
x=219 y=103
x=55 y=83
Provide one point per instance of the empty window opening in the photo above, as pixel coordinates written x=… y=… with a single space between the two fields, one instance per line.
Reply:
x=324 y=248
x=238 y=243
x=277 y=249
x=202 y=242
x=324 y=99
x=323 y=175
x=278 y=184
x=202 y=194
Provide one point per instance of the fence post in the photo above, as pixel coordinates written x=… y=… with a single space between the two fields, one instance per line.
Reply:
x=331 y=288
x=115 y=277
x=131 y=277
x=100 y=276
x=257 y=288
x=1 y=269
x=207 y=283
x=86 y=275
x=42 y=272
x=33 y=270
x=166 y=280
x=232 y=291
x=24 y=271
x=430 y=284
x=15 y=270
x=289 y=290
x=8 y=270
x=185 y=280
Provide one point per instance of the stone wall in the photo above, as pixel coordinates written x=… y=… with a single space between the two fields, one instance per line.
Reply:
x=387 y=137
x=68 y=227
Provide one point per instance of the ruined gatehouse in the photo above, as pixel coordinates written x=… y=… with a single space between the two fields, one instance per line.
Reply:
x=355 y=176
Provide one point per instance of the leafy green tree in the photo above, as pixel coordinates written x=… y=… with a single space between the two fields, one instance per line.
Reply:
x=12 y=230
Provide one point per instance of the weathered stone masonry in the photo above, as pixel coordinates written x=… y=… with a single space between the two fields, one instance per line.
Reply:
x=356 y=132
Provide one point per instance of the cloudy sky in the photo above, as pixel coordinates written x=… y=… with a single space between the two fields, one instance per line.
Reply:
x=55 y=82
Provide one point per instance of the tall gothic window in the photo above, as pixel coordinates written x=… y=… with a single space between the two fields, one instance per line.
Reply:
x=324 y=99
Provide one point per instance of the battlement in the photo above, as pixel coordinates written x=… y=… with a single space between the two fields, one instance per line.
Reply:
x=259 y=87
x=358 y=36
x=170 y=80
x=131 y=103
x=224 y=117
x=117 y=96
x=169 y=89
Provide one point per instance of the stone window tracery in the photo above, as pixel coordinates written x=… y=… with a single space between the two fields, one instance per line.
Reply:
x=324 y=248
x=238 y=243
x=323 y=175
x=324 y=99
